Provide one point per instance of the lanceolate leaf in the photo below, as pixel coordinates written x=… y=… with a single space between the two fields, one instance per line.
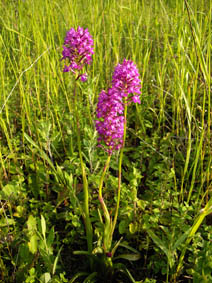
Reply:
x=162 y=246
x=43 y=226
x=130 y=257
x=128 y=247
x=43 y=154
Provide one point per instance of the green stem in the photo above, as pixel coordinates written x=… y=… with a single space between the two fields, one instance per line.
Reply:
x=88 y=226
x=103 y=175
x=107 y=228
x=120 y=170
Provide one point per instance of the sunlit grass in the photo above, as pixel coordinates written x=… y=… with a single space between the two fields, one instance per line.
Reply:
x=170 y=42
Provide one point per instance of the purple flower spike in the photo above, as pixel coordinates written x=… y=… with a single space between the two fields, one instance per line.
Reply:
x=110 y=107
x=126 y=80
x=110 y=125
x=77 y=50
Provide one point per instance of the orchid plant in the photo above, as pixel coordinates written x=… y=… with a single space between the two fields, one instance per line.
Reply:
x=111 y=121
x=77 y=52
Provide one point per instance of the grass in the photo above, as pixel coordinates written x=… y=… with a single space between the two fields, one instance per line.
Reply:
x=167 y=160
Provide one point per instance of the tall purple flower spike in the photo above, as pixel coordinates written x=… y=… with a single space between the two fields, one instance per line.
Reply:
x=77 y=50
x=110 y=107
x=110 y=123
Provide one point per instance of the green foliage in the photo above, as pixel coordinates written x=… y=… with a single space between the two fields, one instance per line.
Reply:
x=201 y=270
x=166 y=170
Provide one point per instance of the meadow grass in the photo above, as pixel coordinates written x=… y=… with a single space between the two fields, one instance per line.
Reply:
x=167 y=163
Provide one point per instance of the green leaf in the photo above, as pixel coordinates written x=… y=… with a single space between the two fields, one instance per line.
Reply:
x=90 y=277
x=158 y=241
x=133 y=227
x=9 y=192
x=4 y=222
x=141 y=203
x=79 y=274
x=116 y=246
x=43 y=226
x=56 y=260
x=33 y=238
x=181 y=240
x=123 y=226
x=50 y=238
x=81 y=253
x=32 y=224
x=162 y=246
x=130 y=257
x=128 y=247
x=122 y=268
x=42 y=153
x=45 y=278
x=33 y=244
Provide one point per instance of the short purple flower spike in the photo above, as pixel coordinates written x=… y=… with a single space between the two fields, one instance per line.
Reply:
x=77 y=50
x=126 y=80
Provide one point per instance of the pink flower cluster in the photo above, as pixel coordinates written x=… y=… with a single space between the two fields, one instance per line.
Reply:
x=77 y=50
x=110 y=107
x=110 y=125
x=126 y=80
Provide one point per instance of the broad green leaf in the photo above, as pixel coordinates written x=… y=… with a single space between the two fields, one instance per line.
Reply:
x=9 y=192
x=45 y=278
x=19 y=211
x=141 y=203
x=4 y=222
x=24 y=253
x=33 y=238
x=32 y=224
x=33 y=244
x=123 y=226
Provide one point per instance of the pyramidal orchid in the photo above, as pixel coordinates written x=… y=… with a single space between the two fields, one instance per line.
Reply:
x=125 y=89
x=126 y=81
x=77 y=51
x=111 y=127
x=110 y=123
